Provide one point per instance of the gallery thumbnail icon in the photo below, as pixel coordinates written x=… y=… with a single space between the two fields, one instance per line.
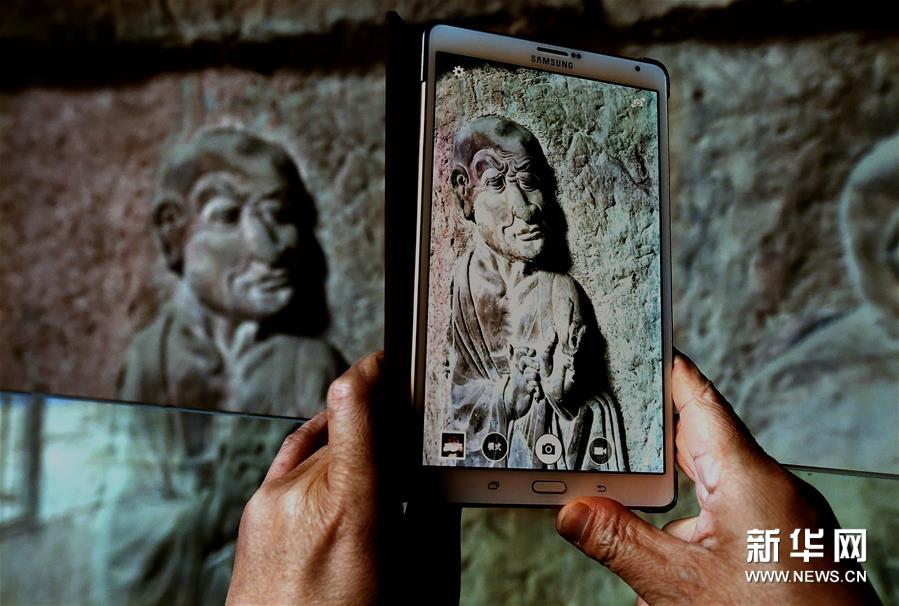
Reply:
x=452 y=445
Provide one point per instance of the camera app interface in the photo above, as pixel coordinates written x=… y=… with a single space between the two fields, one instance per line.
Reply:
x=544 y=335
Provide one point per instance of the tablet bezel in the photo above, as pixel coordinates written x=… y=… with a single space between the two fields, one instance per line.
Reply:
x=514 y=487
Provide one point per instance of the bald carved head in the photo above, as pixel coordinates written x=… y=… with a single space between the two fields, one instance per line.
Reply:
x=234 y=220
x=503 y=184
x=869 y=219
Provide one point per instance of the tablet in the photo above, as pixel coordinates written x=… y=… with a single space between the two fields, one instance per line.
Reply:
x=542 y=328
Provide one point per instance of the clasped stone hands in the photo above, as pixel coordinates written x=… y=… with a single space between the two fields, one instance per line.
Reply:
x=524 y=387
x=544 y=374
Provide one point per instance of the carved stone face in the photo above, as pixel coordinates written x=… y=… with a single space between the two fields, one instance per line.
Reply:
x=241 y=244
x=508 y=204
x=498 y=180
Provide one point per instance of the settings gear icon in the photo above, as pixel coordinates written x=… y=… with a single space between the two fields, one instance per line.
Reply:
x=459 y=71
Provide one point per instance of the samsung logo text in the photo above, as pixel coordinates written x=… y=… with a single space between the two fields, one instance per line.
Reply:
x=551 y=62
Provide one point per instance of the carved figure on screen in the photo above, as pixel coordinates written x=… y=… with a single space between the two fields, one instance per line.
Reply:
x=235 y=224
x=525 y=355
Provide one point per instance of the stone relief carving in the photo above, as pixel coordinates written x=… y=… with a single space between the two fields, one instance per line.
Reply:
x=837 y=384
x=235 y=224
x=525 y=349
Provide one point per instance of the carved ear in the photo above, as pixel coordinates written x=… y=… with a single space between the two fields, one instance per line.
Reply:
x=462 y=187
x=170 y=227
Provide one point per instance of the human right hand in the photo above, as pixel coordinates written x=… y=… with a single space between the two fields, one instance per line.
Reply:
x=703 y=559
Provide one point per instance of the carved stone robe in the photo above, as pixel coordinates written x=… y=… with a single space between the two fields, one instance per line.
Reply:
x=487 y=316
x=173 y=361
x=170 y=524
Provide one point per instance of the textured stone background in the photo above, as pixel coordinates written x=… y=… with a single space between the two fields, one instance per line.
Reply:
x=773 y=103
x=79 y=169
x=604 y=153
x=763 y=137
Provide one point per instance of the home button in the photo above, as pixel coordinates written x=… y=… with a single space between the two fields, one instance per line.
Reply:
x=544 y=487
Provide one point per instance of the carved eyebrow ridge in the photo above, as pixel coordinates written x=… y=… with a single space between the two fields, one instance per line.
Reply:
x=502 y=160
x=272 y=193
x=514 y=161
x=204 y=192
x=491 y=158
x=523 y=165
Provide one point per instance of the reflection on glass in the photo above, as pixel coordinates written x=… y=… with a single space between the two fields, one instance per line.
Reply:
x=134 y=504
x=18 y=459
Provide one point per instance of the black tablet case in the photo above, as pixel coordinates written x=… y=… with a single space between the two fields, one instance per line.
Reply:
x=403 y=104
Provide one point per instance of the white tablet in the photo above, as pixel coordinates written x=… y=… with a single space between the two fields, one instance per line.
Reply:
x=542 y=340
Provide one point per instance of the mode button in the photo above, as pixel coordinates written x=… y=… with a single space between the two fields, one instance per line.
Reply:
x=545 y=487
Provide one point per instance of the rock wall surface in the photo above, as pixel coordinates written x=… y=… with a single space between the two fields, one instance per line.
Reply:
x=80 y=169
x=184 y=22
x=763 y=138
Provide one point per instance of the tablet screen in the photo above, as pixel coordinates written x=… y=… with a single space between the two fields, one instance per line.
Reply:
x=544 y=328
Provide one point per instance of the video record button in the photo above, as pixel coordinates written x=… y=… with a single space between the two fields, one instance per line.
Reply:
x=600 y=450
x=547 y=487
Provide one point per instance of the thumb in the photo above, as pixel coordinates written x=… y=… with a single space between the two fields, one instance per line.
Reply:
x=652 y=562
x=351 y=411
x=690 y=389
x=711 y=438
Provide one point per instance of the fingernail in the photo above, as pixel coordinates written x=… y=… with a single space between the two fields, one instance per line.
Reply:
x=574 y=522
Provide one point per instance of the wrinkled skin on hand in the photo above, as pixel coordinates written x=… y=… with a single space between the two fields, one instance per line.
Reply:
x=312 y=534
x=327 y=525
x=703 y=559
x=309 y=534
